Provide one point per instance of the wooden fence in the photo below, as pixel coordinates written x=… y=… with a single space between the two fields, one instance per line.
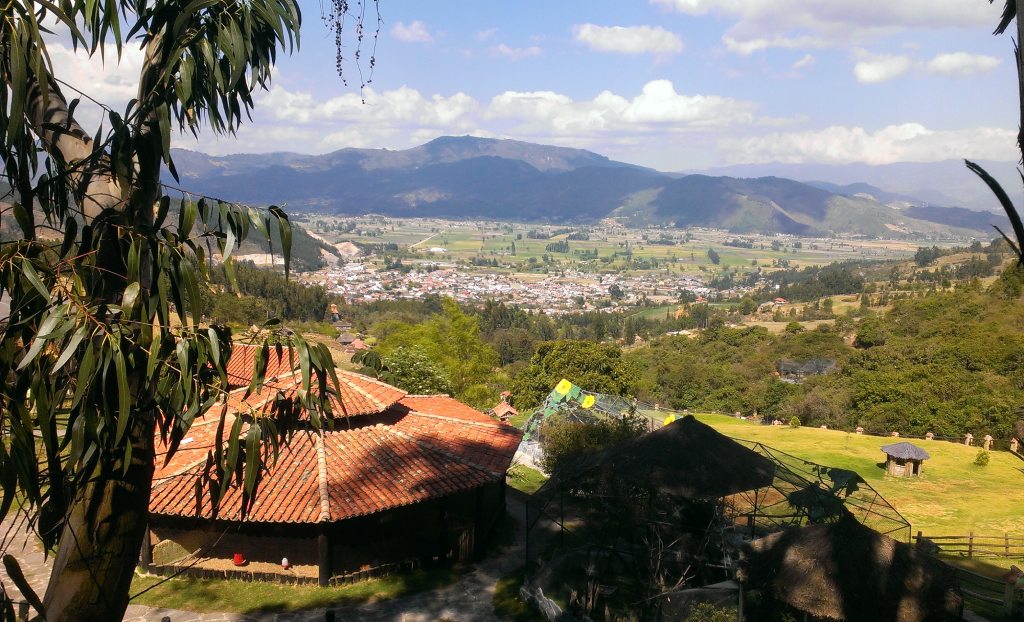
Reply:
x=981 y=592
x=978 y=545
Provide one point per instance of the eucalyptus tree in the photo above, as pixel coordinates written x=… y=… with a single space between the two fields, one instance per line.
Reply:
x=103 y=350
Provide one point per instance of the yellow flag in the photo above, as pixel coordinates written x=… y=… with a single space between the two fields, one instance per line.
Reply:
x=588 y=401
x=669 y=419
x=563 y=387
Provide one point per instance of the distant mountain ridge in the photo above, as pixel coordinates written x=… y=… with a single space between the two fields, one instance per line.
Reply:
x=468 y=177
x=943 y=183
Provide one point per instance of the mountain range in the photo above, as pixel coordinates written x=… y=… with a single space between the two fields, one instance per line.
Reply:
x=469 y=178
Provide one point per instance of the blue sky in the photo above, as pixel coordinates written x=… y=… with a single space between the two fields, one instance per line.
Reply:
x=673 y=84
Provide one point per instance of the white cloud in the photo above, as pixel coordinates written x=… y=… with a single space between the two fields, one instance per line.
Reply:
x=804 y=62
x=874 y=68
x=515 y=53
x=402 y=117
x=414 y=32
x=403 y=105
x=113 y=82
x=907 y=142
x=962 y=64
x=484 y=35
x=761 y=24
x=657 y=108
x=629 y=39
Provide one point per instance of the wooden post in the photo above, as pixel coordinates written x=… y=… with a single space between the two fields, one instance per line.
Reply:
x=917 y=541
x=147 y=551
x=323 y=547
x=970 y=544
x=478 y=525
x=442 y=541
x=561 y=516
x=23 y=612
x=1006 y=541
x=526 y=545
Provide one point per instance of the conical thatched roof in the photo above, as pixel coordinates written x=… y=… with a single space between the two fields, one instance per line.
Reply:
x=846 y=571
x=905 y=451
x=689 y=459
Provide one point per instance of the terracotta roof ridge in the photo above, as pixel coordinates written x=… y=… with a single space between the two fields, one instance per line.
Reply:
x=321 y=467
x=379 y=405
x=371 y=380
x=428 y=395
x=159 y=481
x=491 y=424
x=444 y=452
x=202 y=421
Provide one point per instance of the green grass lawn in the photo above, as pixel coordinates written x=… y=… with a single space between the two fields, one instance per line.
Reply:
x=241 y=596
x=952 y=496
x=525 y=479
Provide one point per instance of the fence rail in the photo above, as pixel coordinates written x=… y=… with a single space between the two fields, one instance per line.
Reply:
x=978 y=587
x=979 y=545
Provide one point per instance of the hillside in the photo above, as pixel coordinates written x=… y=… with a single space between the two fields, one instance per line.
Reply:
x=468 y=178
x=947 y=182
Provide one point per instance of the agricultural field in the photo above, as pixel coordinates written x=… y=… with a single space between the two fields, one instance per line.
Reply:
x=678 y=251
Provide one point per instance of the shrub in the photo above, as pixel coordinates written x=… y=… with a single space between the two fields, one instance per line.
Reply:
x=794 y=422
x=565 y=441
x=706 y=612
x=981 y=459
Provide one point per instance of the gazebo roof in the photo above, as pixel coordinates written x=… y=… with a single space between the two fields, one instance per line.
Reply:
x=847 y=571
x=905 y=451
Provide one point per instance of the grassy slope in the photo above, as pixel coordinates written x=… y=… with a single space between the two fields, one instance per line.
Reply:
x=952 y=497
x=240 y=596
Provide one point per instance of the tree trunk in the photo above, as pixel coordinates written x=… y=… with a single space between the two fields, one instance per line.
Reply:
x=107 y=518
x=102 y=536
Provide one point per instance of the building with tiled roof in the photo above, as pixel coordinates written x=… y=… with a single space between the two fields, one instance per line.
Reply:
x=395 y=480
x=504 y=410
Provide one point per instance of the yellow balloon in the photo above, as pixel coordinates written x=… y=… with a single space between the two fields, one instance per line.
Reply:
x=588 y=401
x=563 y=387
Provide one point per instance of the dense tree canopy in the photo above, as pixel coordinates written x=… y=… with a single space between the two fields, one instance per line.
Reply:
x=595 y=366
x=451 y=339
x=948 y=363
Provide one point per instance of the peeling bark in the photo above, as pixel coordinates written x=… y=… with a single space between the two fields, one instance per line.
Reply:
x=96 y=190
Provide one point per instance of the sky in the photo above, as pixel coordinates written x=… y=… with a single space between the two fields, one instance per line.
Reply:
x=671 y=84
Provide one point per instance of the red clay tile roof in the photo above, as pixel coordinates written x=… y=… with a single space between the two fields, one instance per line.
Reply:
x=444 y=406
x=457 y=428
x=242 y=363
x=423 y=447
x=376 y=468
x=504 y=408
x=365 y=470
x=360 y=395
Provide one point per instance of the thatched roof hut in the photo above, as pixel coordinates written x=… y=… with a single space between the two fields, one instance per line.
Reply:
x=689 y=459
x=685 y=458
x=846 y=571
x=905 y=451
x=904 y=459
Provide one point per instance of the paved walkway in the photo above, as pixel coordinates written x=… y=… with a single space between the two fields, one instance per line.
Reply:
x=466 y=600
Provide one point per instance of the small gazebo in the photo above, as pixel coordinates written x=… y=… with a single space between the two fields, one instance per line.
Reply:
x=904 y=459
